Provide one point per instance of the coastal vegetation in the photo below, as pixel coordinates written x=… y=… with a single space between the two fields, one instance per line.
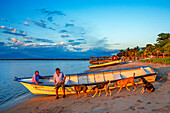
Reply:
x=156 y=52
x=157 y=60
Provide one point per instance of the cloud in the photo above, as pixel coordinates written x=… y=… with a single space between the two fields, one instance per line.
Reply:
x=26 y=23
x=9 y=43
x=13 y=31
x=42 y=44
x=70 y=40
x=30 y=44
x=99 y=42
x=54 y=51
x=61 y=43
x=28 y=38
x=2 y=43
x=69 y=25
x=44 y=11
x=13 y=39
x=42 y=21
x=28 y=41
x=101 y=51
x=52 y=28
x=44 y=40
x=63 y=31
x=3 y=20
x=77 y=48
x=50 y=19
x=18 y=43
x=40 y=24
x=64 y=36
x=15 y=42
x=18 y=34
x=2 y=27
x=116 y=44
x=80 y=39
x=74 y=43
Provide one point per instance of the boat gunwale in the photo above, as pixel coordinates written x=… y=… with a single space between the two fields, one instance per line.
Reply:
x=90 y=83
x=155 y=72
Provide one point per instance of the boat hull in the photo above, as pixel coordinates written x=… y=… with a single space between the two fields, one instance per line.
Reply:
x=89 y=79
x=50 y=90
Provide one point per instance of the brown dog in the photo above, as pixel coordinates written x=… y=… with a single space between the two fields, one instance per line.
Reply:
x=147 y=85
x=79 y=88
x=99 y=87
x=124 y=82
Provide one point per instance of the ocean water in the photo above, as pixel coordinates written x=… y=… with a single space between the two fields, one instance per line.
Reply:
x=11 y=91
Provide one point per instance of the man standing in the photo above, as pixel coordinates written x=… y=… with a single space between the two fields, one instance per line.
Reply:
x=59 y=79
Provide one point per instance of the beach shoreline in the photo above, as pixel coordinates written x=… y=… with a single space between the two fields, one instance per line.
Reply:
x=125 y=101
x=15 y=102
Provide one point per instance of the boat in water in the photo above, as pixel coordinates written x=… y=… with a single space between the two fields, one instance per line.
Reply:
x=103 y=59
x=105 y=64
x=46 y=86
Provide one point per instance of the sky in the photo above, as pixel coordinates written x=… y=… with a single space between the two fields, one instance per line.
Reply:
x=79 y=28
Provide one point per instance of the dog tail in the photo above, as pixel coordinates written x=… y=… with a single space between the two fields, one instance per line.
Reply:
x=133 y=75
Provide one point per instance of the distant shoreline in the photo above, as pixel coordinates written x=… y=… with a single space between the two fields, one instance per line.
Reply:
x=45 y=59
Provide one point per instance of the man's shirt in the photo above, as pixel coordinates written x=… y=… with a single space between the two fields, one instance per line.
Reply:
x=36 y=77
x=59 y=78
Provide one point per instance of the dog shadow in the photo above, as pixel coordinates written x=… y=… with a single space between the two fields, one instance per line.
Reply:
x=162 y=77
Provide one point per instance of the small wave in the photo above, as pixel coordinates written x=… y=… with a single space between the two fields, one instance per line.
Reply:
x=5 y=100
x=15 y=97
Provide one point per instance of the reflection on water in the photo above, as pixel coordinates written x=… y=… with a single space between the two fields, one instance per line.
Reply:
x=11 y=90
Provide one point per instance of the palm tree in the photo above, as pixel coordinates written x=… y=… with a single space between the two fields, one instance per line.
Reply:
x=136 y=49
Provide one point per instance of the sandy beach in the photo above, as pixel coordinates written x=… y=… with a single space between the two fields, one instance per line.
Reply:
x=125 y=101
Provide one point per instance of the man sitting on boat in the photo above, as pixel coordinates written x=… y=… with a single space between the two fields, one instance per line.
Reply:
x=36 y=77
x=59 y=79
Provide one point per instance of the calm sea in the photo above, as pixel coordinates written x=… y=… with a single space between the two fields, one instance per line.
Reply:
x=12 y=91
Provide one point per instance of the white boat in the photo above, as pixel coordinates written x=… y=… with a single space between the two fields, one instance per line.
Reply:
x=46 y=86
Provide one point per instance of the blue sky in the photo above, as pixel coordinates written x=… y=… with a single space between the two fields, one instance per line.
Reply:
x=79 y=28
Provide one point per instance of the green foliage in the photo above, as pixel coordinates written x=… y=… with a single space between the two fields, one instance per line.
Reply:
x=167 y=48
x=144 y=60
x=158 y=60
x=162 y=40
x=162 y=46
x=139 y=53
x=163 y=60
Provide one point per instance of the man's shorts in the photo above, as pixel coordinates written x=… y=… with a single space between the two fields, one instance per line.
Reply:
x=58 y=85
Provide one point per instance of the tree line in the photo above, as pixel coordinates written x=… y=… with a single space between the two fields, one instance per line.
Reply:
x=161 y=46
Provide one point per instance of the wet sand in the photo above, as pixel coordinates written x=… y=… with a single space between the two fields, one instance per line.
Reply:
x=125 y=101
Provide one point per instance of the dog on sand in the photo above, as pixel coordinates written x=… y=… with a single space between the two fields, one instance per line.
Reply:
x=79 y=88
x=124 y=82
x=99 y=87
x=147 y=85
